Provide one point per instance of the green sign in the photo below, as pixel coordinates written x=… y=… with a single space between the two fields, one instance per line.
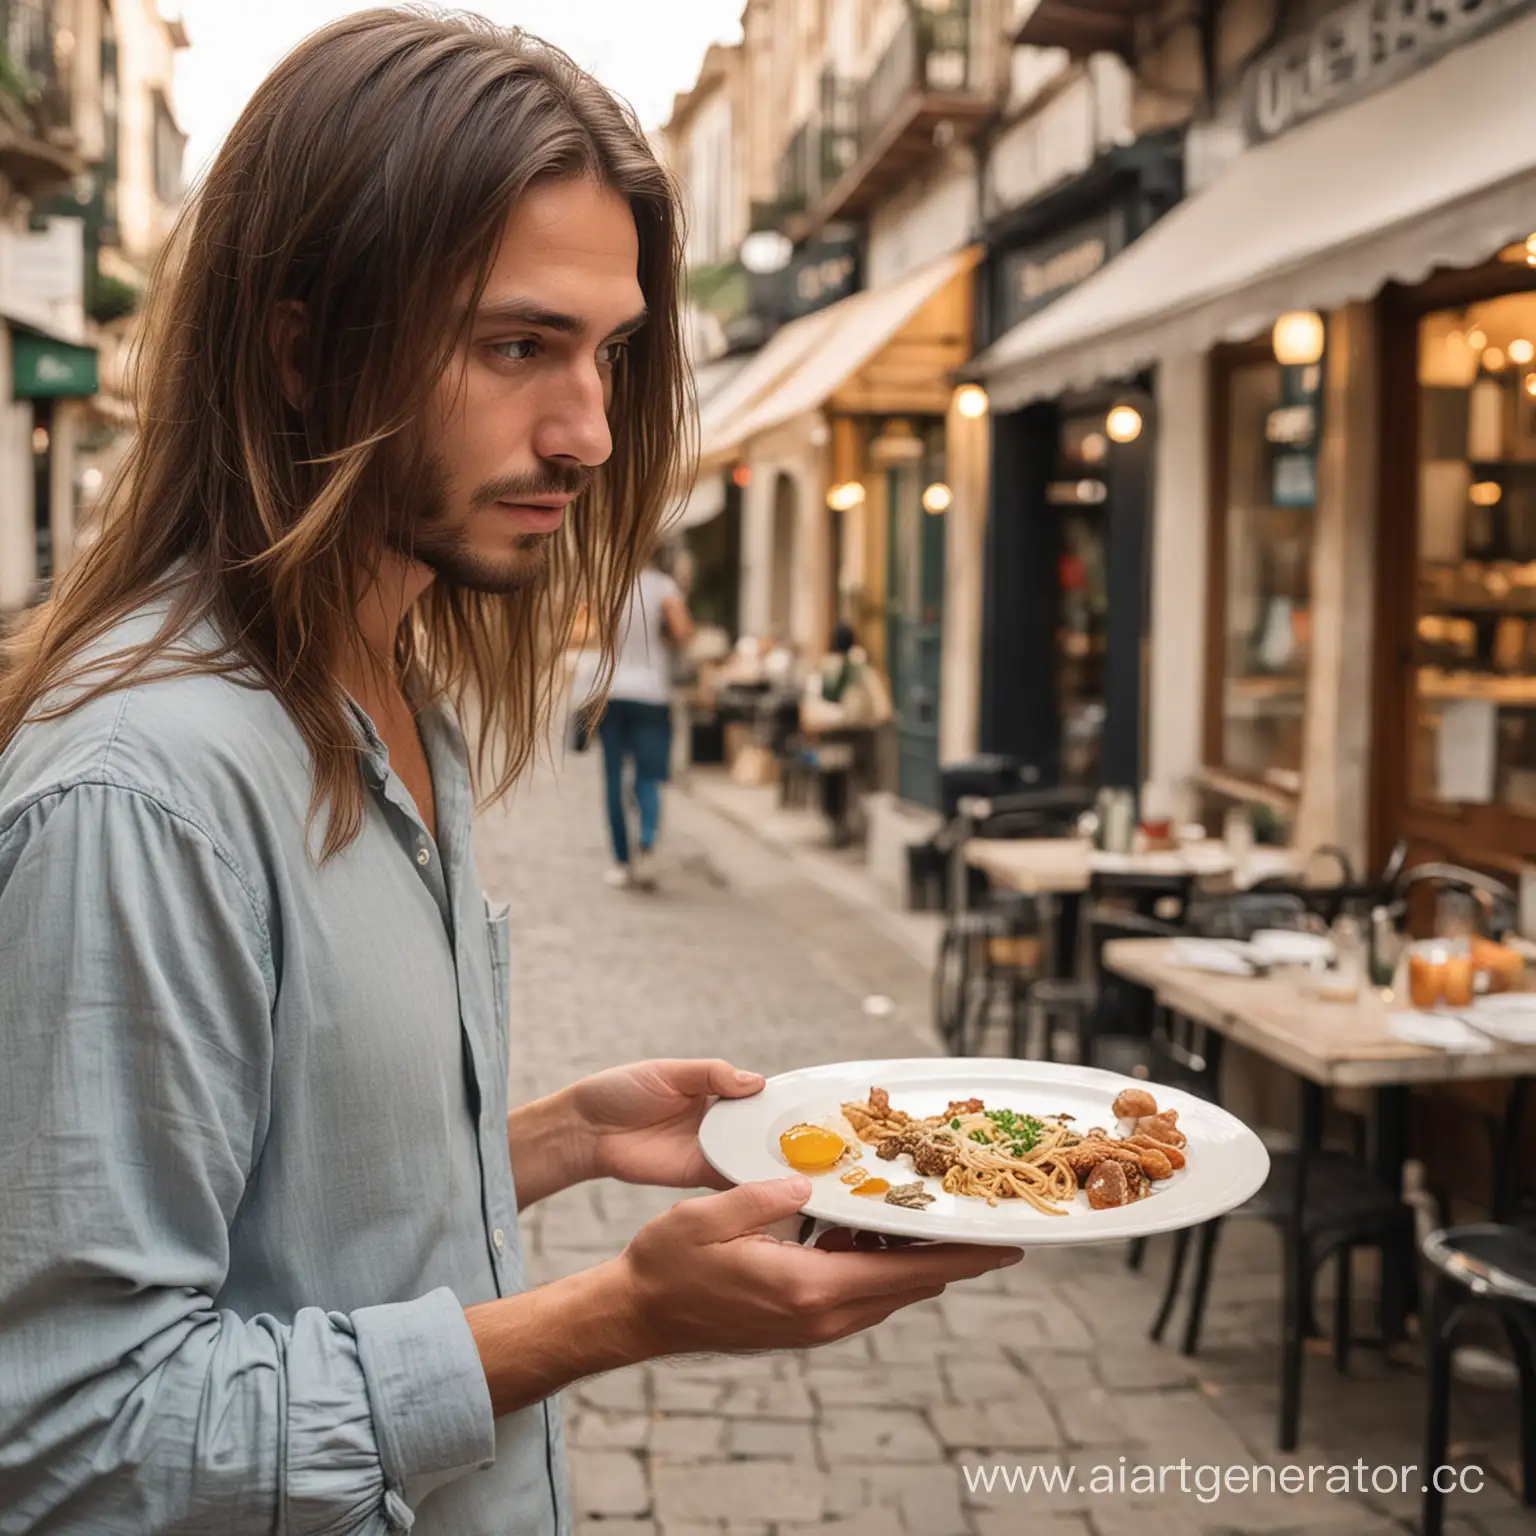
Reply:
x=42 y=367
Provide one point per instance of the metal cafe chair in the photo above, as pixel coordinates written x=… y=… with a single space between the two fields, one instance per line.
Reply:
x=1478 y=1266
x=1325 y=1203
x=983 y=924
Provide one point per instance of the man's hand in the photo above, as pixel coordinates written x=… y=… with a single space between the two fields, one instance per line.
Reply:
x=641 y=1122
x=706 y=1277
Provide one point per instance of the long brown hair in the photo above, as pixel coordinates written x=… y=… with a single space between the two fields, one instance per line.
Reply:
x=368 y=180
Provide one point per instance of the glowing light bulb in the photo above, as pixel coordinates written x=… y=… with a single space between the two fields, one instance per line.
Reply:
x=971 y=401
x=937 y=498
x=1123 y=424
x=1521 y=351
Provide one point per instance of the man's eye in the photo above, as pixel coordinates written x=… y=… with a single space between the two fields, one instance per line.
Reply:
x=519 y=351
x=610 y=352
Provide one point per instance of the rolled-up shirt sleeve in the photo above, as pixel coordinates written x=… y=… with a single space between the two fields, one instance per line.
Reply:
x=136 y=1047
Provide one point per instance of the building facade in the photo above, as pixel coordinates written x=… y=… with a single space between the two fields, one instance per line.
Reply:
x=90 y=177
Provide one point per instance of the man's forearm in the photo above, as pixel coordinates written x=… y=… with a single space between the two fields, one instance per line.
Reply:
x=535 y=1344
x=550 y=1146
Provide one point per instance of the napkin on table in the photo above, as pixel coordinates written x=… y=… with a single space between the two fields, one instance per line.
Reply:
x=1442 y=1031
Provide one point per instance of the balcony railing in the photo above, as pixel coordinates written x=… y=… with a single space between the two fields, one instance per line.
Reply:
x=32 y=69
x=866 y=136
x=933 y=54
x=822 y=147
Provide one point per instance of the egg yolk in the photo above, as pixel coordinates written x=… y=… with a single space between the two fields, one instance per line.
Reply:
x=872 y=1187
x=811 y=1148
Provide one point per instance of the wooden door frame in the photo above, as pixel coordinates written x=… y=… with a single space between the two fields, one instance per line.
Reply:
x=1486 y=836
x=1223 y=362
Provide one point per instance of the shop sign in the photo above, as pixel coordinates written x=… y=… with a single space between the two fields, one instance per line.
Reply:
x=43 y=368
x=1358 y=49
x=820 y=273
x=1032 y=277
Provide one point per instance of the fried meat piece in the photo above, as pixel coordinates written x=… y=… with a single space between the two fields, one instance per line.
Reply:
x=895 y=1143
x=1085 y=1157
x=1155 y=1165
x=912 y=1196
x=1134 y=1104
x=1109 y=1186
x=933 y=1158
x=880 y=1103
x=964 y=1107
x=1162 y=1127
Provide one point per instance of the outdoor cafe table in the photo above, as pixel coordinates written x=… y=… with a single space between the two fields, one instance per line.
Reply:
x=1326 y=1044
x=1058 y=870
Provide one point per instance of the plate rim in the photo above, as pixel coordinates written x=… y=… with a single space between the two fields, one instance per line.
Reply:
x=899 y=1223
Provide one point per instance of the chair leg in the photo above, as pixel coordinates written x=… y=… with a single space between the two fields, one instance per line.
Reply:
x=1293 y=1330
x=1522 y=1339
x=1343 y=1318
x=1445 y=1311
x=1181 y=1242
x=1136 y=1254
x=1204 y=1263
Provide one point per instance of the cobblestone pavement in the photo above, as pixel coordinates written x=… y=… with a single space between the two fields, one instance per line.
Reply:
x=1046 y=1365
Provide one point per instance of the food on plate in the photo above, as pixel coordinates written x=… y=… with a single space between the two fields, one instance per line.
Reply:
x=812 y=1148
x=1133 y=1104
x=863 y=1183
x=1000 y=1154
x=912 y=1196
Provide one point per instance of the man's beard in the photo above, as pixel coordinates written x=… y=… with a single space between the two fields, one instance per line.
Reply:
x=445 y=549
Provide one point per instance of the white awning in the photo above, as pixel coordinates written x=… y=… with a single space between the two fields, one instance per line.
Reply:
x=810 y=358
x=785 y=348
x=864 y=324
x=1438 y=170
x=706 y=501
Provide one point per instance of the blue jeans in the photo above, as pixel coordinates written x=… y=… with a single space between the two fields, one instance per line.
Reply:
x=641 y=733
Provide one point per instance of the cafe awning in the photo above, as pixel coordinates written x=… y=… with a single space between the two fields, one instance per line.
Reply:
x=1437 y=170
x=907 y=335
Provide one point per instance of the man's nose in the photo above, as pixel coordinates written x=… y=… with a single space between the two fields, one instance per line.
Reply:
x=573 y=420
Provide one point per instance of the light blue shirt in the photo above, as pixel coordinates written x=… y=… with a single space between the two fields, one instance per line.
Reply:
x=253 y=1144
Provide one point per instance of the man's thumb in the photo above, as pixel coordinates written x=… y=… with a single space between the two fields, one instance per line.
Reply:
x=750 y=1207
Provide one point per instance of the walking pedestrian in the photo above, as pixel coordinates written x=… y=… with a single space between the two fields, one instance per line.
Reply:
x=636 y=726
x=413 y=380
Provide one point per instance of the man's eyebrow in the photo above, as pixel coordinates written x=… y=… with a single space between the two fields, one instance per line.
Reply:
x=525 y=312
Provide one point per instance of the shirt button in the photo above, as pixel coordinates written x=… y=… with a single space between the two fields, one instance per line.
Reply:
x=423 y=856
x=499 y=1238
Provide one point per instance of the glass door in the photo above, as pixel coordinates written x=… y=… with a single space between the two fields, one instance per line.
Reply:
x=915 y=624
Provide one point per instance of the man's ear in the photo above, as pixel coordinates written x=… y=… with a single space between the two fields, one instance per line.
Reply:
x=286 y=336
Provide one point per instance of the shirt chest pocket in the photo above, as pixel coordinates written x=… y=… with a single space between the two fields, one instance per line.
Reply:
x=498 y=936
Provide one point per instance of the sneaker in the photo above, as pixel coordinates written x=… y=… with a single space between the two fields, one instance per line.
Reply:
x=618 y=878
x=643 y=870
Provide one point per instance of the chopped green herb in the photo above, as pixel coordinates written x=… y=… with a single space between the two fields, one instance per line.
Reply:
x=954 y=1125
x=980 y=1136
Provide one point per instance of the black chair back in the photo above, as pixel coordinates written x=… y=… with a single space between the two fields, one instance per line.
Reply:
x=1243 y=913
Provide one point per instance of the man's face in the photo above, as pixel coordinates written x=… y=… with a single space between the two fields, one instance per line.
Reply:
x=522 y=415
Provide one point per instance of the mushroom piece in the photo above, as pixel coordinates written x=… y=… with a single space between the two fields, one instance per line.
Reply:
x=1134 y=1104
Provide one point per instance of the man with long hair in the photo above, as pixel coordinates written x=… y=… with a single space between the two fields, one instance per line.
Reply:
x=412 y=383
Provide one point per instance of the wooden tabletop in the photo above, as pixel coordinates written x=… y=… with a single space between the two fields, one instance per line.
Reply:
x=1037 y=866
x=1337 y=1044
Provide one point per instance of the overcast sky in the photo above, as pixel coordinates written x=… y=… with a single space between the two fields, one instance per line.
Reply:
x=646 y=50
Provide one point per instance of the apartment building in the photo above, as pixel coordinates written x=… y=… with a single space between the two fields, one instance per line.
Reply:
x=90 y=170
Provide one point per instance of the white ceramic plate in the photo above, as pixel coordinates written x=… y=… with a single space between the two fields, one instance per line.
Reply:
x=1226 y=1161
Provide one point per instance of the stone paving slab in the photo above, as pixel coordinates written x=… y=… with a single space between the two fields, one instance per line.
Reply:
x=1045 y=1367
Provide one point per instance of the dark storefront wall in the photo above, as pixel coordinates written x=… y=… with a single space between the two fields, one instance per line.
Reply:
x=1021 y=706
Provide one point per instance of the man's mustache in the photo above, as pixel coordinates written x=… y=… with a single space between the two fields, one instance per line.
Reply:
x=555 y=480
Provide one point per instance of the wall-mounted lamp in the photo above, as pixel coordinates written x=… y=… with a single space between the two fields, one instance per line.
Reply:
x=937 y=498
x=741 y=476
x=971 y=401
x=1298 y=338
x=845 y=497
x=1123 y=424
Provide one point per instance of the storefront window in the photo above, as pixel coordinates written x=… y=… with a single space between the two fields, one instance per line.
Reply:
x=1473 y=711
x=1270 y=421
x=1080 y=495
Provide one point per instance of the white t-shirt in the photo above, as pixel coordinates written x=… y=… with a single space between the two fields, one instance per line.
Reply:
x=643 y=673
